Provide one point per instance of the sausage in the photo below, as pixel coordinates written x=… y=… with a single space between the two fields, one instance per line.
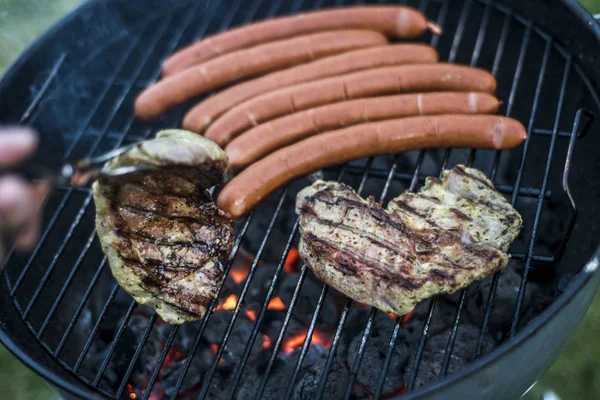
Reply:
x=255 y=183
x=393 y=21
x=207 y=110
x=177 y=89
x=373 y=82
x=270 y=136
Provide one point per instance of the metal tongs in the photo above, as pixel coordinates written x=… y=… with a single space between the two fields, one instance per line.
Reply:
x=81 y=172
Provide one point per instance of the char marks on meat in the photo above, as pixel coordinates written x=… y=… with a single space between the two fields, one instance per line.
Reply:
x=163 y=235
x=438 y=240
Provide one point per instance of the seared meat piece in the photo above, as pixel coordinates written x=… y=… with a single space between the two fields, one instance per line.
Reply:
x=451 y=232
x=162 y=233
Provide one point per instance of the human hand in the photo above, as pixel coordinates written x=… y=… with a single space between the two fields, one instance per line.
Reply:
x=20 y=201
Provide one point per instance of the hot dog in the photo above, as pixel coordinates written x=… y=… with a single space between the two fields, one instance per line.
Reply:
x=207 y=110
x=179 y=88
x=392 y=21
x=270 y=136
x=255 y=183
x=373 y=82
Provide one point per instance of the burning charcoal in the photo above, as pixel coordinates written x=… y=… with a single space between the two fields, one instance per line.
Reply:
x=431 y=366
x=443 y=317
x=463 y=352
x=276 y=384
x=375 y=354
x=239 y=270
x=263 y=277
x=260 y=222
x=294 y=327
x=310 y=376
x=307 y=301
x=238 y=338
x=505 y=301
x=193 y=378
x=465 y=343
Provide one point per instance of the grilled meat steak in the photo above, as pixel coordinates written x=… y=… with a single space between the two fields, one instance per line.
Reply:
x=452 y=232
x=162 y=233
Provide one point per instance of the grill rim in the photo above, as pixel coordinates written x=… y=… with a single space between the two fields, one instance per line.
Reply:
x=584 y=280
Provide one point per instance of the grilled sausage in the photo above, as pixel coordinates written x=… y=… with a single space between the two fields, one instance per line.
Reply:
x=179 y=88
x=255 y=183
x=393 y=21
x=207 y=110
x=270 y=136
x=373 y=82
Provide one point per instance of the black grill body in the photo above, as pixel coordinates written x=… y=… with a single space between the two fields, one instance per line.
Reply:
x=77 y=85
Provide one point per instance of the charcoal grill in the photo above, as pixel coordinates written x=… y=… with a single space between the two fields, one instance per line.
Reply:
x=65 y=317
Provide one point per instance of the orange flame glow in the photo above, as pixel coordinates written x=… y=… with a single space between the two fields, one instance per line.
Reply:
x=132 y=394
x=251 y=314
x=230 y=302
x=276 y=304
x=393 y=316
x=297 y=340
x=406 y=317
x=237 y=276
x=291 y=261
x=266 y=342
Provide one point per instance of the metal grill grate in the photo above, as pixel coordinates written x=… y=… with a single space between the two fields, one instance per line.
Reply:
x=28 y=278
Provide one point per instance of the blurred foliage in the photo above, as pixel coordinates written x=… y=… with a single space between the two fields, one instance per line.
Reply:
x=574 y=375
x=22 y=21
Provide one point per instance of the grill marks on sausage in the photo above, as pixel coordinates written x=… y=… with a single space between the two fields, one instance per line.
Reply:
x=436 y=240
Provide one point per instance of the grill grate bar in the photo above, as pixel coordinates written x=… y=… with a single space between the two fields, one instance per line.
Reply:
x=66 y=286
x=538 y=212
x=432 y=303
x=79 y=309
x=472 y=155
x=210 y=373
x=240 y=368
x=92 y=336
x=307 y=341
x=345 y=311
x=94 y=147
x=47 y=230
x=56 y=257
x=161 y=361
x=382 y=174
x=286 y=321
x=137 y=353
x=277 y=346
x=414 y=180
x=42 y=92
x=115 y=341
x=459 y=31
x=209 y=310
x=496 y=277
x=360 y=354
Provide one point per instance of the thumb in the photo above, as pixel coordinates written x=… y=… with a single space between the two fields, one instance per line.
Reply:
x=16 y=144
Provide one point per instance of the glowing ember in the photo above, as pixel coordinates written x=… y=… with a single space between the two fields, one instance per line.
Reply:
x=230 y=302
x=393 y=316
x=291 y=261
x=237 y=276
x=132 y=394
x=251 y=314
x=276 y=304
x=266 y=342
x=407 y=317
x=296 y=341
x=214 y=348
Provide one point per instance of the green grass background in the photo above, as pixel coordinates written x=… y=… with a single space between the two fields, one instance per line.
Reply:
x=574 y=375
